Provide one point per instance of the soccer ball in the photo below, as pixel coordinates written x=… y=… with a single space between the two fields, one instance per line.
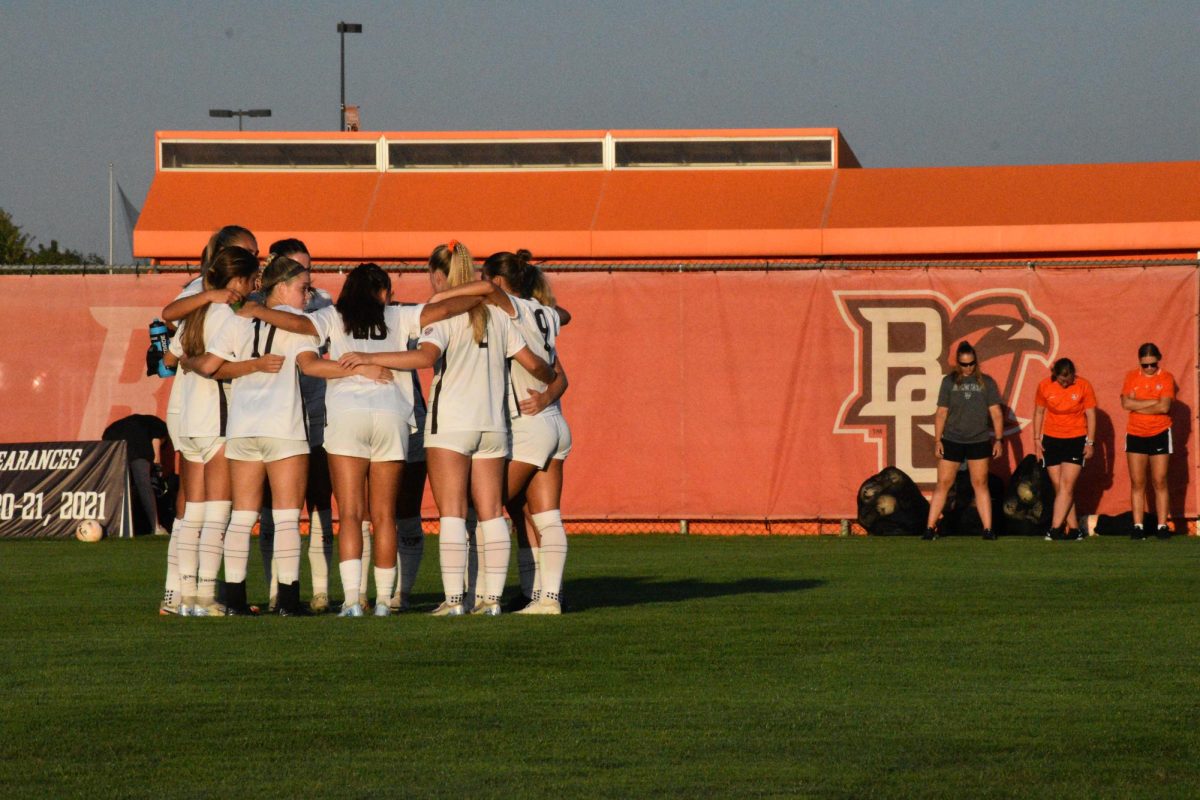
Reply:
x=89 y=531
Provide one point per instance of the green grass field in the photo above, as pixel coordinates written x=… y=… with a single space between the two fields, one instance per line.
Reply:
x=763 y=667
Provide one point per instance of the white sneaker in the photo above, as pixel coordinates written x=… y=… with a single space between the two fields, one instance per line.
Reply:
x=352 y=610
x=319 y=603
x=447 y=609
x=383 y=610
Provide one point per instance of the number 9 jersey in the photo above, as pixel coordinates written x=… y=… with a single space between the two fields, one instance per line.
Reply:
x=539 y=326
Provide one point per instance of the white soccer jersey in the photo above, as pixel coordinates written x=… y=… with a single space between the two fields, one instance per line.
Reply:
x=363 y=394
x=264 y=403
x=205 y=401
x=468 y=391
x=175 y=398
x=539 y=325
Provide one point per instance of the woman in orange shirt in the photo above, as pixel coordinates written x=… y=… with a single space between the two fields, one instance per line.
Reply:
x=1147 y=395
x=1064 y=434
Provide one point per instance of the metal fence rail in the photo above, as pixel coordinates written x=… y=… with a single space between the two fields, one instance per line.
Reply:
x=652 y=266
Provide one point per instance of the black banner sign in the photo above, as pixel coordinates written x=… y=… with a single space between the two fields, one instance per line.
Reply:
x=48 y=488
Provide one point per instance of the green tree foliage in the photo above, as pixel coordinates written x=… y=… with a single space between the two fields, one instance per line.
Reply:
x=17 y=247
x=13 y=243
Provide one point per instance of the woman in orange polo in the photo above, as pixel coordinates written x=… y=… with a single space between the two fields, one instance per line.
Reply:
x=1064 y=434
x=1147 y=396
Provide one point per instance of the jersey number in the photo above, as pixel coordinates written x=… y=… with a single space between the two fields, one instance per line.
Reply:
x=543 y=325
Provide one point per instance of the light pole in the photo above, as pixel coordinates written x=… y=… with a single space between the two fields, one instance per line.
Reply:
x=343 y=28
x=239 y=113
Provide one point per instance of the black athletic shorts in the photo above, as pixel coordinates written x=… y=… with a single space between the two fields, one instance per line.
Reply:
x=959 y=452
x=1057 y=451
x=1160 y=444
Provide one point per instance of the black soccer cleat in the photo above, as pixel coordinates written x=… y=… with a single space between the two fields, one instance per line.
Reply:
x=1163 y=532
x=1138 y=534
x=989 y=534
x=288 y=601
x=235 y=601
x=929 y=535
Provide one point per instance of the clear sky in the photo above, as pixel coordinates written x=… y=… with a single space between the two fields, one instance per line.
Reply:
x=925 y=83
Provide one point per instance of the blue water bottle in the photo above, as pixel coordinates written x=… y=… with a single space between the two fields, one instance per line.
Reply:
x=160 y=340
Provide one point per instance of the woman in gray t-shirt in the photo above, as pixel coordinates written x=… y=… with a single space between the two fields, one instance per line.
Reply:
x=968 y=416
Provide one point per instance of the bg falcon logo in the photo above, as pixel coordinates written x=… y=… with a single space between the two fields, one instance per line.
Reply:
x=902 y=346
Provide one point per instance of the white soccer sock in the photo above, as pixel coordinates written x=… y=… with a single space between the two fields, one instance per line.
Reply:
x=172 y=582
x=537 y=574
x=385 y=577
x=553 y=557
x=366 y=560
x=473 y=586
x=475 y=579
x=351 y=570
x=452 y=550
x=237 y=545
x=212 y=548
x=410 y=547
x=188 y=550
x=287 y=544
x=497 y=549
x=318 y=557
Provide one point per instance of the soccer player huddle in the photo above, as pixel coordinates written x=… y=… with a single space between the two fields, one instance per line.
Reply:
x=280 y=391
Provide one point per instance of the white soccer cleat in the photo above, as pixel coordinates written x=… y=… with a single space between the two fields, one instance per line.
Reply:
x=490 y=610
x=543 y=607
x=550 y=607
x=383 y=610
x=447 y=609
x=184 y=610
x=210 y=610
x=351 y=610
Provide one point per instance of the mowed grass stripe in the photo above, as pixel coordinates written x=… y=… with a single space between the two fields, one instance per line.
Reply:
x=758 y=667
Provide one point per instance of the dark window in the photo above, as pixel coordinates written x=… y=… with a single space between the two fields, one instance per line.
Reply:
x=495 y=155
x=268 y=155
x=731 y=152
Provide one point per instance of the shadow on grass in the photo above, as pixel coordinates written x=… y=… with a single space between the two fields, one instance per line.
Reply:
x=614 y=592
x=582 y=594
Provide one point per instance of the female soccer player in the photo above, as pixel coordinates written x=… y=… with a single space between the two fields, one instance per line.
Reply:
x=196 y=296
x=202 y=432
x=319 y=489
x=968 y=415
x=1064 y=433
x=541 y=439
x=1147 y=395
x=368 y=427
x=266 y=433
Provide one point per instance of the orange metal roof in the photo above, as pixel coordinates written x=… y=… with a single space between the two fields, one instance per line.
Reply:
x=680 y=213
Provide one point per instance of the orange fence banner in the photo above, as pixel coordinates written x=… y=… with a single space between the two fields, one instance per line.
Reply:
x=764 y=395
